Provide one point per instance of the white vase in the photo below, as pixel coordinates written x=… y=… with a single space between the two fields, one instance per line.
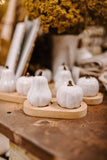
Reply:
x=64 y=47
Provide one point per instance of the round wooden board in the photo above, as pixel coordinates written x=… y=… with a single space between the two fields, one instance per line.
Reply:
x=12 y=97
x=55 y=111
x=98 y=99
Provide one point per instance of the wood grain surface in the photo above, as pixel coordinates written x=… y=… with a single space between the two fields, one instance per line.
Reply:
x=53 y=110
x=19 y=153
x=12 y=97
x=98 y=99
x=50 y=139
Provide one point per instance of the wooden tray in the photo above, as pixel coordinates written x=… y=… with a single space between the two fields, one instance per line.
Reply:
x=98 y=99
x=12 y=97
x=53 y=110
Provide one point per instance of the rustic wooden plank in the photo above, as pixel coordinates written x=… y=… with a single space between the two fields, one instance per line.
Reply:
x=14 y=124
x=18 y=153
x=81 y=139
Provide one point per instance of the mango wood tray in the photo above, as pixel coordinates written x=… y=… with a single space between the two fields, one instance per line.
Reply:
x=98 y=99
x=12 y=97
x=53 y=110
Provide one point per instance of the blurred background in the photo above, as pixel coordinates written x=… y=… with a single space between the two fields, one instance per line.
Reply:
x=45 y=52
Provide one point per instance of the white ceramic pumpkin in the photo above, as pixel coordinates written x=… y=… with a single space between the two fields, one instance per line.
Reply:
x=59 y=69
x=69 y=96
x=45 y=72
x=89 y=85
x=7 y=81
x=63 y=78
x=23 y=84
x=39 y=93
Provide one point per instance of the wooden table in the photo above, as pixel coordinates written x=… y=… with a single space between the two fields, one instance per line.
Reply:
x=54 y=139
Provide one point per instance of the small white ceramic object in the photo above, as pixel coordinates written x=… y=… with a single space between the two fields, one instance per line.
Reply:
x=7 y=81
x=39 y=93
x=63 y=78
x=89 y=85
x=23 y=84
x=59 y=69
x=45 y=72
x=69 y=96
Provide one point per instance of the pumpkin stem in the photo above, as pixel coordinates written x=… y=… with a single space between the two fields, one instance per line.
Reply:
x=70 y=83
x=7 y=67
x=87 y=76
x=27 y=74
x=63 y=64
x=40 y=73
x=65 y=68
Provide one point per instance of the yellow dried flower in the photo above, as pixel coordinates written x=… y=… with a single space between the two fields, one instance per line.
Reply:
x=66 y=16
x=98 y=10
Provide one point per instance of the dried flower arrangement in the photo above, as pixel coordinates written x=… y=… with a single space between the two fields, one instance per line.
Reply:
x=67 y=16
